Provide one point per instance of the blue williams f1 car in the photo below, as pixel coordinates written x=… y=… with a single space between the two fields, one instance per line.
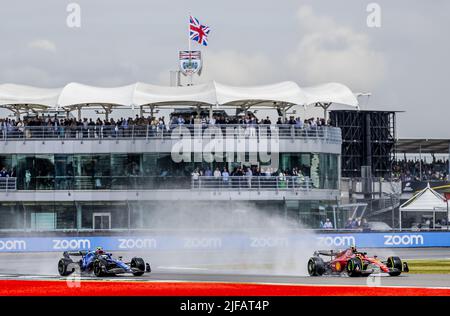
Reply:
x=101 y=264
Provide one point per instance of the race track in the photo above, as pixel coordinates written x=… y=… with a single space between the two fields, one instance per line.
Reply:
x=167 y=267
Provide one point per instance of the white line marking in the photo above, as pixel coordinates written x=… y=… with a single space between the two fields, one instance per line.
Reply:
x=183 y=268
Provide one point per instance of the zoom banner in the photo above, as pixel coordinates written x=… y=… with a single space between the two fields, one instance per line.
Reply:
x=225 y=241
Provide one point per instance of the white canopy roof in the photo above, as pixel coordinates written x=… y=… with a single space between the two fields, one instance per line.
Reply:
x=21 y=94
x=426 y=200
x=150 y=94
x=285 y=93
x=76 y=93
x=330 y=93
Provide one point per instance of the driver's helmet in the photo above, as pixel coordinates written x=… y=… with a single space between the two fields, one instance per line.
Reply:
x=99 y=251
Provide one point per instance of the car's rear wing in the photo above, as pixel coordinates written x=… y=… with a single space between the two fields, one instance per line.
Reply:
x=328 y=253
x=67 y=254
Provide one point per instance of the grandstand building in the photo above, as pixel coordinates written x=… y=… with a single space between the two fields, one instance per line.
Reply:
x=114 y=177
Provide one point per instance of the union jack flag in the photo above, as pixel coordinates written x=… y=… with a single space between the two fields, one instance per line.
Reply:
x=198 y=32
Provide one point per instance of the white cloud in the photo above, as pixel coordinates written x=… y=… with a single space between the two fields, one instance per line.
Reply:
x=328 y=51
x=237 y=68
x=29 y=75
x=43 y=44
x=232 y=67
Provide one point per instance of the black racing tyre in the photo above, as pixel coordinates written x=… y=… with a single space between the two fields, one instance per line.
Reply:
x=63 y=267
x=138 y=263
x=354 y=267
x=316 y=266
x=395 y=263
x=98 y=268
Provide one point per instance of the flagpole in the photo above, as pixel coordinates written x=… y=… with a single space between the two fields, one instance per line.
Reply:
x=189 y=45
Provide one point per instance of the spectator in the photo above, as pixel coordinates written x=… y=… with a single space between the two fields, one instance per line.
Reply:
x=27 y=179
x=3 y=173
x=217 y=173
x=365 y=225
x=249 y=175
x=208 y=172
x=328 y=224
x=348 y=224
x=195 y=177
x=225 y=176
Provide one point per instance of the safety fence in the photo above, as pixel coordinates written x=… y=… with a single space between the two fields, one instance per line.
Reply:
x=137 y=182
x=8 y=184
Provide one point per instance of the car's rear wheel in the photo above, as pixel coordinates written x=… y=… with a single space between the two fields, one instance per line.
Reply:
x=65 y=267
x=98 y=268
x=138 y=263
x=354 y=267
x=395 y=263
x=316 y=266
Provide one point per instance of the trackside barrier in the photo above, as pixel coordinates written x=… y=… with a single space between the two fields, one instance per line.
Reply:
x=226 y=241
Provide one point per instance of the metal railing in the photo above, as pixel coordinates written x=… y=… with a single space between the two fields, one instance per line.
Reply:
x=282 y=131
x=8 y=184
x=252 y=183
x=166 y=183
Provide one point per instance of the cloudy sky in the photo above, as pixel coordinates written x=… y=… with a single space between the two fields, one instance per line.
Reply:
x=403 y=63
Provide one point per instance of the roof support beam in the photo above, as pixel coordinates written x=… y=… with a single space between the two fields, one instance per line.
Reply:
x=325 y=107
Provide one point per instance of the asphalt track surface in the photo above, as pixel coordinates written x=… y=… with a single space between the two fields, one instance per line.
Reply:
x=167 y=268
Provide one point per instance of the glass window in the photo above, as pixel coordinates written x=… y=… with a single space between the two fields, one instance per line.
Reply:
x=41 y=216
x=83 y=172
x=6 y=162
x=125 y=170
x=149 y=162
x=11 y=216
x=101 y=165
x=64 y=172
x=45 y=171
x=26 y=173
x=66 y=216
x=328 y=173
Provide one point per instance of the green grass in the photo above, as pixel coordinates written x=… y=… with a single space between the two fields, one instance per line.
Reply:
x=428 y=266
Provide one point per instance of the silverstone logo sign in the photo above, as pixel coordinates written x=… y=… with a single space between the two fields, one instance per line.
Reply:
x=190 y=62
x=231 y=144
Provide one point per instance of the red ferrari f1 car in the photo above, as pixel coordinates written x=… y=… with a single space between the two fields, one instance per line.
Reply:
x=353 y=263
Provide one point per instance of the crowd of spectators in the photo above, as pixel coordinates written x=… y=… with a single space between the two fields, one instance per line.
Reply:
x=72 y=127
x=356 y=223
x=6 y=173
x=416 y=170
x=248 y=171
x=352 y=223
x=247 y=120
x=247 y=174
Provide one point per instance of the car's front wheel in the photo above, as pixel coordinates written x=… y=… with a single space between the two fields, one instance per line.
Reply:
x=98 y=268
x=138 y=263
x=395 y=263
